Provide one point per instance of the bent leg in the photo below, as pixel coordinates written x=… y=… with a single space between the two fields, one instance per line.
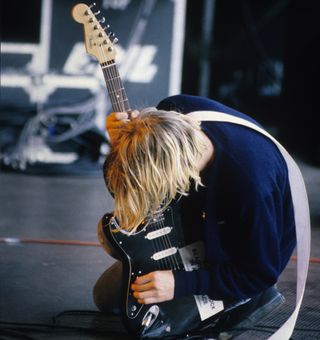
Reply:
x=107 y=290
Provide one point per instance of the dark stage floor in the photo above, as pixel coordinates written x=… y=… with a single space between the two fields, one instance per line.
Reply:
x=40 y=280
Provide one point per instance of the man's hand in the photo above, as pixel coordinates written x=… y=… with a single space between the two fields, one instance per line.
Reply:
x=115 y=121
x=154 y=287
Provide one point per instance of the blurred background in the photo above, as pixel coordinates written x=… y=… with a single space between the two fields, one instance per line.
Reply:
x=259 y=57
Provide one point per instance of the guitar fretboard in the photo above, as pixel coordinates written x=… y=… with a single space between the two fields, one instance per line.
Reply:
x=117 y=93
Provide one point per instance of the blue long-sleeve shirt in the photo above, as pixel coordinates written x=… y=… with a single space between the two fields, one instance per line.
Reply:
x=248 y=229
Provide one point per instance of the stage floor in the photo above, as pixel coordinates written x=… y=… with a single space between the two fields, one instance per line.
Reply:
x=44 y=273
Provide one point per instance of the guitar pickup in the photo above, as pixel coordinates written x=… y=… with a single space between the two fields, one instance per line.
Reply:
x=164 y=253
x=158 y=233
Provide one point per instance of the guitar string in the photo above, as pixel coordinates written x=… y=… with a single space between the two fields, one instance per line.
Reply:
x=118 y=103
x=117 y=91
x=122 y=95
x=167 y=241
x=115 y=81
x=156 y=242
x=165 y=245
x=111 y=78
x=156 y=248
x=114 y=77
x=112 y=70
x=168 y=259
x=105 y=69
x=173 y=257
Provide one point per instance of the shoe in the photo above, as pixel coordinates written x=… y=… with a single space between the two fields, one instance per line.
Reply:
x=248 y=314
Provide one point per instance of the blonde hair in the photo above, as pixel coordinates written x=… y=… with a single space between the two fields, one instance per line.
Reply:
x=155 y=157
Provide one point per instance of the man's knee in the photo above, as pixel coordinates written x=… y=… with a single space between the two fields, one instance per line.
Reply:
x=107 y=290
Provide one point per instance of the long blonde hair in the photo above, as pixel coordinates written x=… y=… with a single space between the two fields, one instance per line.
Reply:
x=153 y=160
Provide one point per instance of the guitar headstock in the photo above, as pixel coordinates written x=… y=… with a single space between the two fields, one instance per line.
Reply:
x=98 y=42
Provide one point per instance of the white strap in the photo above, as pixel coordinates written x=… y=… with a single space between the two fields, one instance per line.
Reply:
x=301 y=213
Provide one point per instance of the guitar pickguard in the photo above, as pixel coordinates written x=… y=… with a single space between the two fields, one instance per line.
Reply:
x=158 y=245
x=155 y=246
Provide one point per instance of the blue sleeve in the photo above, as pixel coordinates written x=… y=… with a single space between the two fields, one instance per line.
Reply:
x=184 y=103
x=264 y=249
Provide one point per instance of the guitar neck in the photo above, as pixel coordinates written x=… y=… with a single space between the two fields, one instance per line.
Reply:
x=117 y=93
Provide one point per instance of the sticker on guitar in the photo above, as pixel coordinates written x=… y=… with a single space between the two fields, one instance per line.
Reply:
x=192 y=256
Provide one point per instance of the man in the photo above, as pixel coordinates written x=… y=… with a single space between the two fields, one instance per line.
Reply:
x=235 y=197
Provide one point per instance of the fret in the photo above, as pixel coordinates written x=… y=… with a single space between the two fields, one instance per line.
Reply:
x=117 y=101
x=114 y=84
x=121 y=89
x=107 y=66
x=116 y=91
x=121 y=101
x=117 y=107
x=110 y=79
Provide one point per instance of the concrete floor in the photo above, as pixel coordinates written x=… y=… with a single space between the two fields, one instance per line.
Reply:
x=40 y=280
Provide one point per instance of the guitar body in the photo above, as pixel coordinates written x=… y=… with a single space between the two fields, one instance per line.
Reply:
x=155 y=246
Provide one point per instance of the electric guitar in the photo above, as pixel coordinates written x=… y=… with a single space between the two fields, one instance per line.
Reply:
x=159 y=243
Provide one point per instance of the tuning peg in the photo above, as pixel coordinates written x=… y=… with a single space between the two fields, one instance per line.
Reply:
x=87 y=12
x=106 y=27
x=102 y=20
x=111 y=35
x=115 y=41
x=97 y=12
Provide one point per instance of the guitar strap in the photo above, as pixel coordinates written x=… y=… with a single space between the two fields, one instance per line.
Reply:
x=301 y=213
